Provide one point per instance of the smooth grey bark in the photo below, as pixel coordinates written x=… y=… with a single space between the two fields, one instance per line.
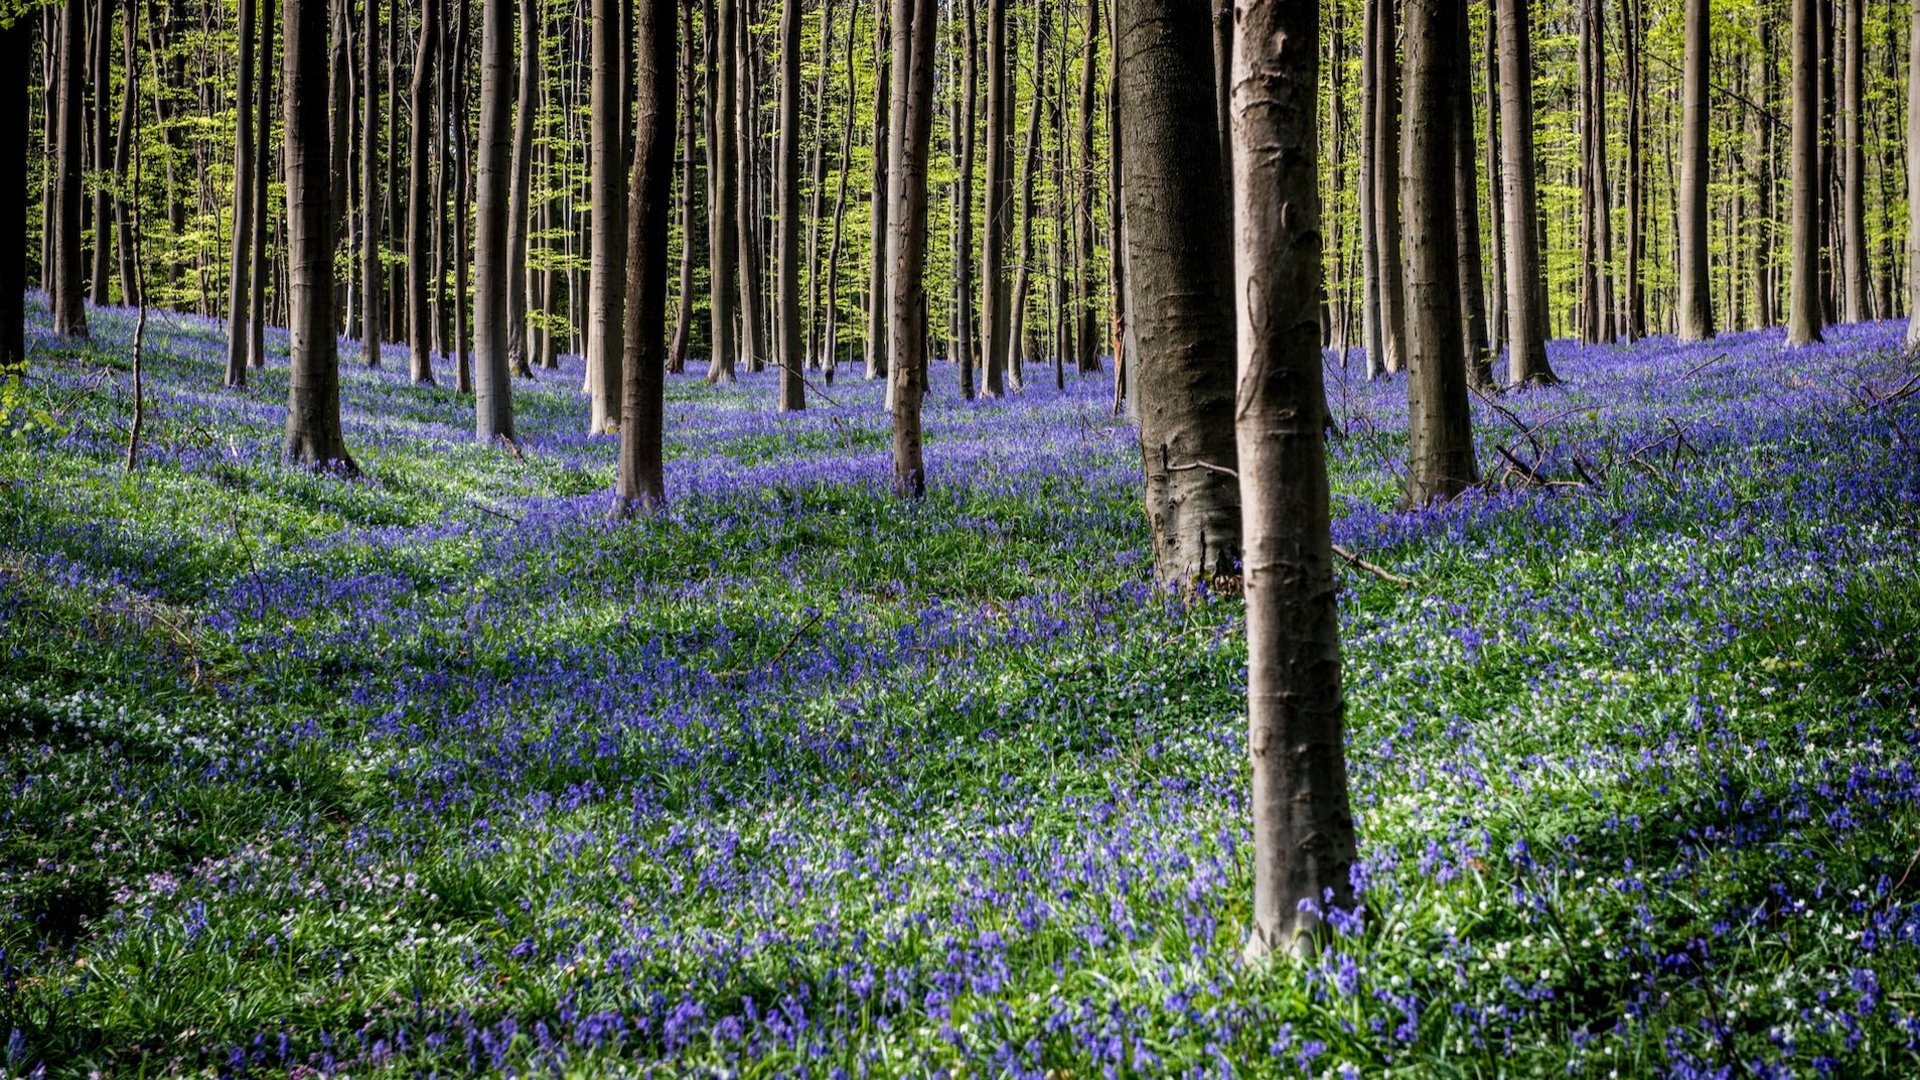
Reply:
x=237 y=275
x=372 y=276
x=683 y=314
x=831 y=332
x=1496 y=263
x=1631 y=50
x=997 y=335
x=721 y=227
x=1466 y=212
x=1180 y=261
x=69 y=270
x=1804 y=309
x=313 y=436
x=792 y=358
x=1526 y=297
x=1372 y=333
x=1694 y=313
x=816 y=188
x=877 y=291
x=16 y=65
x=493 y=266
x=747 y=218
x=1597 y=320
x=420 y=334
x=1913 y=181
x=1304 y=846
x=1029 y=170
x=909 y=142
x=607 y=267
x=130 y=278
x=1440 y=463
x=1389 y=266
x=1086 y=332
x=102 y=134
x=1853 y=212
x=263 y=124
x=519 y=212
x=966 y=333
x=640 y=485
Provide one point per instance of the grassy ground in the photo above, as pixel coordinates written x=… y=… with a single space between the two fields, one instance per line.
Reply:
x=438 y=771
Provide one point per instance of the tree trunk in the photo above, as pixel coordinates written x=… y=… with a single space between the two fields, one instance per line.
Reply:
x=69 y=268
x=420 y=335
x=1526 y=309
x=1695 y=312
x=793 y=394
x=373 y=286
x=1853 y=205
x=997 y=335
x=1596 y=203
x=1633 y=35
x=1385 y=107
x=1029 y=170
x=641 y=483
x=1180 y=259
x=1303 y=833
x=1440 y=462
x=747 y=216
x=313 y=383
x=722 y=227
x=683 y=316
x=102 y=147
x=1223 y=90
x=462 y=203
x=1804 y=316
x=122 y=142
x=1496 y=262
x=493 y=265
x=1913 y=179
x=608 y=267
x=1086 y=333
x=519 y=212
x=1760 y=125
x=16 y=65
x=909 y=143
x=1466 y=211
x=262 y=169
x=832 y=331
x=877 y=290
x=243 y=163
x=965 y=332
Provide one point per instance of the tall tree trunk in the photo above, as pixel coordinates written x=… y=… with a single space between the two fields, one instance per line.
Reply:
x=313 y=435
x=16 y=65
x=373 y=285
x=262 y=169
x=1303 y=833
x=462 y=202
x=519 y=212
x=1632 y=38
x=877 y=290
x=1466 y=210
x=641 y=483
x=1804 y=316
x=1180 y=259
x=683 y=316
x=493 y=264
x=1526 y=307
x=1760 y=124
x=69 y=268
x=102 y=147
x=1440 y=462
x=1223 y=90
x=1853 y=205
x=1496 y=264
x=748 y=218
x=965 y=347
x=1385 y=107
x=1695 y=311
x=1596 y=205
x=997 y=336
x=1086 y=332
x=238 y=299
x=1373 y=333
x=340 y=140
x=909 y=141
x=793 y=394
x=1913 y=179
x=608 y=269
x=722 y=227
x=832 y=331
x=1029 y=170
x=420 y=334
x=122 y=142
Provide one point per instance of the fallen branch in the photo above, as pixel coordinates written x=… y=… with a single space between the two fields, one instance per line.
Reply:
x=1377 y=571
x=1703 y=365
x=785 y=648
x=502 y=514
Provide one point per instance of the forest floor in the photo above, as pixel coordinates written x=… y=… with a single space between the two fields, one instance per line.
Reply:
x=438 y=771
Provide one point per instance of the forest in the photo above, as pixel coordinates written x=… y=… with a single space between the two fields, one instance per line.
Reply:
x=909 y=538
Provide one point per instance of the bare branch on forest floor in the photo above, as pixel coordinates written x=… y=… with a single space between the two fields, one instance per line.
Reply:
x=784 y=649
x=1703 y=365
x=1377 y=571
